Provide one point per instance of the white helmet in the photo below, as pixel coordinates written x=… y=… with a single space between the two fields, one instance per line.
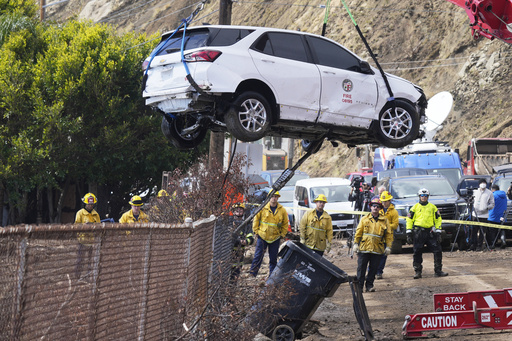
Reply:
x=423 y=191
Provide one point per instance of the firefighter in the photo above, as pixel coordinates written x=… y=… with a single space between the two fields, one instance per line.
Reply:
x=424 y=227
x=135 y=215
x=372 y=240
x=316 y=227
x=241 y=239
x=87 y=215
x=270 y=225
x=388 y=209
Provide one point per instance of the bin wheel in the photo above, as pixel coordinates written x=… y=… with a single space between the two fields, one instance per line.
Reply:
x=283 y=332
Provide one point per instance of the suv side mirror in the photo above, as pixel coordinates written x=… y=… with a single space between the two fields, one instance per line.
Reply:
x=303 y=202
x=366 y=68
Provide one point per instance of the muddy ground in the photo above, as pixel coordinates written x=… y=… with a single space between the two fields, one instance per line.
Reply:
x=398 y=294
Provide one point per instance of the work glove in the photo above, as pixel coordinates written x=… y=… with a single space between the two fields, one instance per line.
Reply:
x=387 y=251
x=439 y=237
x=356 y=248
x=303 y=241
x=328 y=247
x=409 y=238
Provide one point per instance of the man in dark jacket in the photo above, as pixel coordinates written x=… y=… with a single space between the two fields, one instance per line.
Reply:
x=497 y=215
x=240 y=239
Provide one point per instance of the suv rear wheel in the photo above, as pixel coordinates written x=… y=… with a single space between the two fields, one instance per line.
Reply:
x=397 y=128
x=249 y=117
x=184 y=132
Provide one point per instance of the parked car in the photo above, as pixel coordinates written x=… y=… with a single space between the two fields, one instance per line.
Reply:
x=256 y=81
x=272 y=176
x=405 y=195
x=397 y=172
x=504 y=180
x=367 y=176
x=335 y=189
x=471 y=182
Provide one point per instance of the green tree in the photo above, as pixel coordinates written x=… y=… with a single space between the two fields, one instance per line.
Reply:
x=72 y=114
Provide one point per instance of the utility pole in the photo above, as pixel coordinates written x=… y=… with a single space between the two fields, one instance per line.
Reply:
x=41 y=9
x=217 y=139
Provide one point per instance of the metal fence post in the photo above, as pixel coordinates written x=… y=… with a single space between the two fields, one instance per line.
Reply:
x=145 y=287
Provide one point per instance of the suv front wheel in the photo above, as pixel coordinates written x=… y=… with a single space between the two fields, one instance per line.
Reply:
x=248 y=119
x=399 y=127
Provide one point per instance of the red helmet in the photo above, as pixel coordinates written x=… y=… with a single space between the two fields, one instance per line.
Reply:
x=376 y=201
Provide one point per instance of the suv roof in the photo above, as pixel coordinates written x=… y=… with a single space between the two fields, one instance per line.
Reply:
x=397 y=172
x=312 y=182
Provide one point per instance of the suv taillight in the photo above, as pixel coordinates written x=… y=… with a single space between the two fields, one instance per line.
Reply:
x=202 y=56
x=145 y=65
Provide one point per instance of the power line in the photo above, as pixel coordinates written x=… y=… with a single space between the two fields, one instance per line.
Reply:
x=180 y=10
x=322 y=6
x=128 y=10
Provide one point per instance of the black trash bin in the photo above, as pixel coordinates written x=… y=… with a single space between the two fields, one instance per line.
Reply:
x=312 y=277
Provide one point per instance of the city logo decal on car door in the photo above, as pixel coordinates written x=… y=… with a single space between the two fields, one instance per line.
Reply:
x=347 y=85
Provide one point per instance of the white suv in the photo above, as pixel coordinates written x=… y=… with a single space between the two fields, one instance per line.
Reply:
x=335 y=189
x=255 y=81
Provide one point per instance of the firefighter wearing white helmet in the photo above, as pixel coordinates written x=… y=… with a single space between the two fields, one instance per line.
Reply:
x=135 y=215
x=316 y=227
x=270 y=225
x=424 y=227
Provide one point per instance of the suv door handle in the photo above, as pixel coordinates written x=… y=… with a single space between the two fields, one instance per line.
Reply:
x=267 y=61
x=329 y=72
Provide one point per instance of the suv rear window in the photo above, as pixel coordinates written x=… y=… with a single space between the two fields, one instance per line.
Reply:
x=201 y=38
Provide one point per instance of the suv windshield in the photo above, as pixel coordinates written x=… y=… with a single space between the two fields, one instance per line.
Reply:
x=408 y=188
x=201 y=38
x=503 y=182
x=333 y=193
x=452 y=174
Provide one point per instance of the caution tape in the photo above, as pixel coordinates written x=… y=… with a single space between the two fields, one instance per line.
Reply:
x=456 y=222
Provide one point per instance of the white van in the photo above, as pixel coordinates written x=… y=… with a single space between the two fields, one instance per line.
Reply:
x=335 y=189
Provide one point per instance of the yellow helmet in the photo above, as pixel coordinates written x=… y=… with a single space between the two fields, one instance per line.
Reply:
x=320 y=197
x=89 y=198
x=238 y=205
x=385 y=196
x=136 y=201
x=162 y=193
x=275 y=193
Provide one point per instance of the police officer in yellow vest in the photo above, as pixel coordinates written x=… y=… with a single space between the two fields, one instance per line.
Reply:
x=316 y=227
x=424 y=227
x=135 y=215
x=270 y=225
x=86 y=215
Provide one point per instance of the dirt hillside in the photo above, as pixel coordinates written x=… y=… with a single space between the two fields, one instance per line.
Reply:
x=427 y=42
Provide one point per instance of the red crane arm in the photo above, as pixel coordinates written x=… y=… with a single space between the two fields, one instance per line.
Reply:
x=489 y=18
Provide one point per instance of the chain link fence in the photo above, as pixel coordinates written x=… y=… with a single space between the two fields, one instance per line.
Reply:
x=108 y=281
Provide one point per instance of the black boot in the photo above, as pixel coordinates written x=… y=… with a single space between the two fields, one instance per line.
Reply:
x=438 y=269
x=417 y=270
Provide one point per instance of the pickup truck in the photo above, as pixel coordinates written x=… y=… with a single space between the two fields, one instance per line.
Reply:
x=405 y=194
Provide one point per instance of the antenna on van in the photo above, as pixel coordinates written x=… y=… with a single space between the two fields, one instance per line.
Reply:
x=439 y=106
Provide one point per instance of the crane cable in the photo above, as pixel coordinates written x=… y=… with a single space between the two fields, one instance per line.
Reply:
x=326 y=17
x=391 y=97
